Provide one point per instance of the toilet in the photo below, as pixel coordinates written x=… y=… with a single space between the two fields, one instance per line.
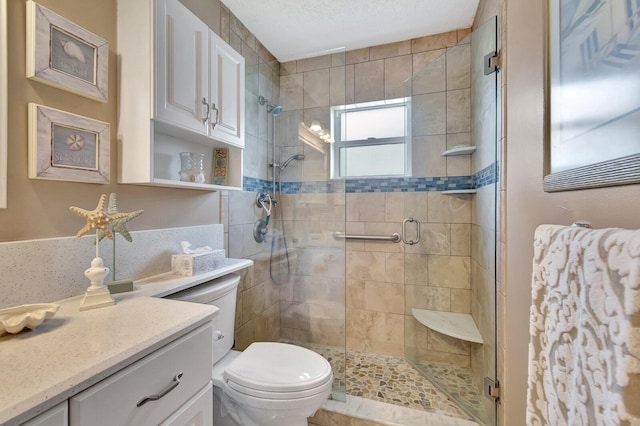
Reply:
x=269 y=383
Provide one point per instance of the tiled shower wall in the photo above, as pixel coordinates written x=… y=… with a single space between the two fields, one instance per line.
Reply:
x=257 y=310
x=384 y=281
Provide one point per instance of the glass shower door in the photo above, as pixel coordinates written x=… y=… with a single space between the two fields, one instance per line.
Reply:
x=312 y=296
x=450 y=279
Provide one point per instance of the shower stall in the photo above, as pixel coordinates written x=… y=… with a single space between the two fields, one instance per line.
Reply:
x=374 y=187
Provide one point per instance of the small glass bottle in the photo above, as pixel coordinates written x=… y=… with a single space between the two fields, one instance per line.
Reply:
x=192 y=167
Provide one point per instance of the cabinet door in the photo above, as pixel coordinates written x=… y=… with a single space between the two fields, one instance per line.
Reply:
x=56 y=416
x=226 y=81
x=181 y=68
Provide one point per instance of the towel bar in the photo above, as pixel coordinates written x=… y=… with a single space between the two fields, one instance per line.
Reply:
x=395 y=238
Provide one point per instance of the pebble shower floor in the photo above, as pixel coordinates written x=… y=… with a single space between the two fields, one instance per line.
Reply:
x=393 y=380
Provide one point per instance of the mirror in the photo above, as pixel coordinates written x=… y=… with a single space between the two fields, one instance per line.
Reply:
x=3 y=103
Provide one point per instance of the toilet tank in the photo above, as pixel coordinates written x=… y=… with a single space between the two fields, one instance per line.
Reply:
x=221 y=293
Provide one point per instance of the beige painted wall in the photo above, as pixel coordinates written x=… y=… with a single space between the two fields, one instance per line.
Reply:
x=527 y=205
x=40 y=208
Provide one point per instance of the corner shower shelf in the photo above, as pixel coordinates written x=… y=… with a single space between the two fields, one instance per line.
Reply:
x=460 y=326
x=459 y=150
x=458 y=191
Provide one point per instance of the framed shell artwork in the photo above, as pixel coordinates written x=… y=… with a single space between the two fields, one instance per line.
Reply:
x=67 y=147
x=65 y=55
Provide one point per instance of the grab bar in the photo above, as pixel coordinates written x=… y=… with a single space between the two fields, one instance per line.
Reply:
x=395 y=238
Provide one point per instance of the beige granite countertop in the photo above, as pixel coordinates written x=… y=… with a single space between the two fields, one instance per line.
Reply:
x=74 y=350
x=168 y=283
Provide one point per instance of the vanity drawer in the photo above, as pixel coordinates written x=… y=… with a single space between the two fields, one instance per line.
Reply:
x=179 y=371
x=197 y=412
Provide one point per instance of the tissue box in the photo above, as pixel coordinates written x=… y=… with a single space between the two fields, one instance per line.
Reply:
x=188 y=265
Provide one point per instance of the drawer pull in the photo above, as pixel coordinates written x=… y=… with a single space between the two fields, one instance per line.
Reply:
x=213 y=123
x=206 y=114
x=174 y=383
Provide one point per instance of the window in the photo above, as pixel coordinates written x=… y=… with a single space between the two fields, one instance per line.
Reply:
x=371 y=139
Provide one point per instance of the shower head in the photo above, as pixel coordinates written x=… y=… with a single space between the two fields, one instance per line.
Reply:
x=274 y=109
x=290 y=159
x=271 y=108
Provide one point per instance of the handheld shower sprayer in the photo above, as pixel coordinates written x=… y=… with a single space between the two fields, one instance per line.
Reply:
x=290 y=159
x=260 y=228
x=262 y=199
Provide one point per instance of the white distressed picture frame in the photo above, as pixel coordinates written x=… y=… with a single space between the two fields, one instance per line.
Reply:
x=68 y=147
x=65 y=55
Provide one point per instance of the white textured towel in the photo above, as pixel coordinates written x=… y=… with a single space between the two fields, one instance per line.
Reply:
x=584 y=352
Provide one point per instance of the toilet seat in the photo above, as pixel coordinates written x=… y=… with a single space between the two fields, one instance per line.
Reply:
x=278 y=371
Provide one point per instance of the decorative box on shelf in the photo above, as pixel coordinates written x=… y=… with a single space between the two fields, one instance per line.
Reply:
x=192 y=264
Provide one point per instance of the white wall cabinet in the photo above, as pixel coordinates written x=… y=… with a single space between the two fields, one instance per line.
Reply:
x=181 y=88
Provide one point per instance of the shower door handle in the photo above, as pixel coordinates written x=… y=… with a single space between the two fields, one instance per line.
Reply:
x=404 y=231
x=214 y=122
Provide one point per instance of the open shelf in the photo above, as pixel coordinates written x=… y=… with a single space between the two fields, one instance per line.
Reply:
x=168 y=183
x=459 y=191
x=459 y=150
x=460 y=326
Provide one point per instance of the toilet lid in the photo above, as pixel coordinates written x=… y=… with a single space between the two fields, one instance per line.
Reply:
x=278 y=367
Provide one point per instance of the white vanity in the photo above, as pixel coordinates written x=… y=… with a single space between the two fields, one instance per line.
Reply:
x=96 y=367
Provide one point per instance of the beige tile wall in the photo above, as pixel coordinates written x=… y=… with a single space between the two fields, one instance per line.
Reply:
x=385 y=281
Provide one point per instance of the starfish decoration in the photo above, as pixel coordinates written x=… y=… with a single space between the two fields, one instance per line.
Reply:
x=97 y=218
x=117 y=225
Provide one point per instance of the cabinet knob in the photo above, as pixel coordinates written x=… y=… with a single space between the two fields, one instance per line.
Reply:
x=217 y=335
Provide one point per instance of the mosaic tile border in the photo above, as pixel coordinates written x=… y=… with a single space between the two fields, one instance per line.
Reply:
x=484 y=177
x=487 y=176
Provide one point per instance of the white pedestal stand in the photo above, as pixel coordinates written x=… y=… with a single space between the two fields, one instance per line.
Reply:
x=97 y=294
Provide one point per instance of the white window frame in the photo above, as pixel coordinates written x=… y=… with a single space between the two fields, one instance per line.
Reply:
x=336 y=123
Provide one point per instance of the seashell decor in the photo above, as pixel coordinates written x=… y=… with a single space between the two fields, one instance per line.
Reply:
x=73 y=50
x=14 y=320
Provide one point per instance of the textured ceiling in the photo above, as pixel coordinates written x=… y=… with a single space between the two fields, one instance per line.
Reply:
x=294 y=29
